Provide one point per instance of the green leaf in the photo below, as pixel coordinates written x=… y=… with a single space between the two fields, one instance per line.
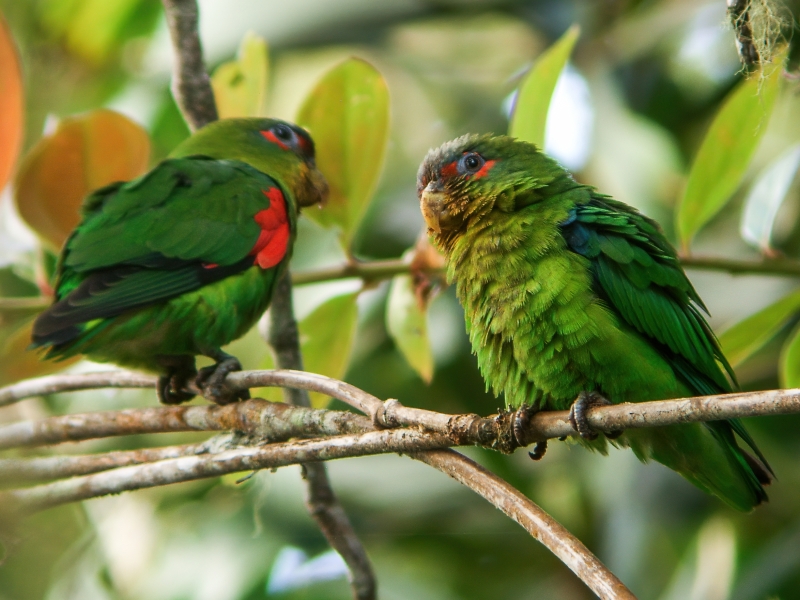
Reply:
x=326 y=339
x=348 y=115
x=789 y=366
x=407 y=324
x=240 y=86
x=747 y=337
x=96 y=30
x=726 y=150
x=766 y=196
x=533 y=100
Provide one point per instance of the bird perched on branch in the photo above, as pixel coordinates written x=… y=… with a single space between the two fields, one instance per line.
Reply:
x=184 y=259
x=569 y=294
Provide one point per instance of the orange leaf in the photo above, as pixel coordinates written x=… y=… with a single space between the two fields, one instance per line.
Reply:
x=11 y=104
x=18 y=361
x=85 y=153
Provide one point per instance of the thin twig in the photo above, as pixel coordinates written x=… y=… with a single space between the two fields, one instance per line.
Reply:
x=320 y=499
x=24 y=303
x=52 y=384
x=554 y=536
x=190 y=84
x=378 y=270
x=44 y=468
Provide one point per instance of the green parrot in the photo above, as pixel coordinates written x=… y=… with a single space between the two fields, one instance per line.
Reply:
x=569 y=294
x=184 y=259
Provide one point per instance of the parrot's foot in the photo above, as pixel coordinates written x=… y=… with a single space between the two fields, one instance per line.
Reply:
x=522 y=417
x=172 y=387
x=577 y=415
x=212 y=380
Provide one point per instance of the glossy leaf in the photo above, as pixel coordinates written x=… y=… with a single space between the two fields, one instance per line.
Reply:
x=84 y=153
x=726 y=151
x=533 y=99
x=406 y=322
x=765 y=198
x=11 y=104
x=789 y=365
x=748 y=336
x=240 y=86
x=348 y=115
x=96 y=30
x=326 y=339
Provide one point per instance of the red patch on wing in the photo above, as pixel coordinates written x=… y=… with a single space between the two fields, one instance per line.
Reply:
x=274 y=139
x=273 y=241
x=210 y=265
x=487 y=166
x=450 y=170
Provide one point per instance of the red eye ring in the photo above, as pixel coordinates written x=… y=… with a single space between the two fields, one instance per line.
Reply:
x=270 y=136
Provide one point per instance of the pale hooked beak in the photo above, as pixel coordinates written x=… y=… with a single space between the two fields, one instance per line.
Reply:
x=432 y=204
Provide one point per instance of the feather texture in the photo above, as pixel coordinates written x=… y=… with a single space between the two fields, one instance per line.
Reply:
x=566 y=290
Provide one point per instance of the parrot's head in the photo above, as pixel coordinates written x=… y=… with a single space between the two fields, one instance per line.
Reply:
x=282 y=150
x=462 y=181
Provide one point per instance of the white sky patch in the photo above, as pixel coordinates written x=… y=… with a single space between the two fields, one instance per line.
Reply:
x=293 y=569
x=16 y=238
x=570 y=120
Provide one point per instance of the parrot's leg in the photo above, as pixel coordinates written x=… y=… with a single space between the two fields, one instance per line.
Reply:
x=577 y=415
x=522 y=418
x=212 y=379
x=180 y=370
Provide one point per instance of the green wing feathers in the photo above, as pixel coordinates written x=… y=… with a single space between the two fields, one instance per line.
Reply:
x=188 y=223
x=639 y=276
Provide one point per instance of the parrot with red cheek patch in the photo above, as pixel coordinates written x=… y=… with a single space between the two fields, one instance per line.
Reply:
x=184 y=259
x=572 y=298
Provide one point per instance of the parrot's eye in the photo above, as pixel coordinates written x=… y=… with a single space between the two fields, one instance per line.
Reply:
x=283 y=133
x=471 y=163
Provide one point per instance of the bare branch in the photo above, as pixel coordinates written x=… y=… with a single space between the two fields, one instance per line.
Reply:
x=190 y=468
x=46 y=468
x=460 y=429
x=554 y=536
x=320 y=499
x=267 y=421
x=190 y=84
x=52 y=384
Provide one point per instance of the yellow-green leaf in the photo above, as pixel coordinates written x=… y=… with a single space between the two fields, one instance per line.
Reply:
x=790 y=361
x=726 y=150
x=84 y=153
x=326 y=339
x=748 y=336
x=348 y=115
x=11 y=104
x=96 y=29
x=533 y=100
x=765 y=198
x=407 y=324
x=240 y=86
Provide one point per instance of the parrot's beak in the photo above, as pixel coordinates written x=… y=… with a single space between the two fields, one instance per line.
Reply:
x=432 y=203
x=318 y=192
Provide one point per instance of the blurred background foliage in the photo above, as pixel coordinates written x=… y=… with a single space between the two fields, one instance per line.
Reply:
x=647 y=102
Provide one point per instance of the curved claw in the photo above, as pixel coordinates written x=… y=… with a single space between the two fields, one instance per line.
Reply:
x=171 y=388
x=577 y=414
x=212 y=380
x=522 y=417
